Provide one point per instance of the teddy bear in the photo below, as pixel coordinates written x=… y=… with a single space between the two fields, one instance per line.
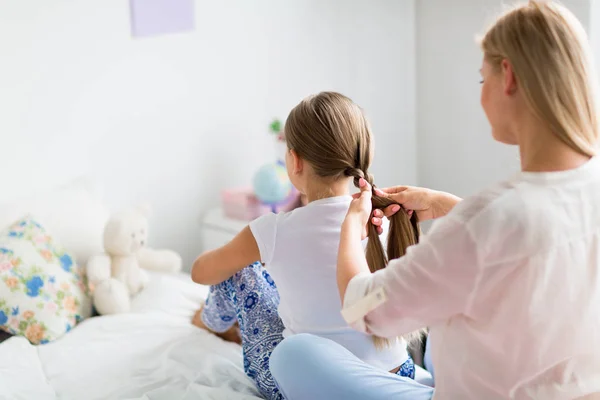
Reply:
x=120 y=273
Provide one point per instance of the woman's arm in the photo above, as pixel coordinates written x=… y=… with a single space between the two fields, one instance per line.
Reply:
x=351 y=257
x=428 y=203
x=432 y=282
x=215 y=266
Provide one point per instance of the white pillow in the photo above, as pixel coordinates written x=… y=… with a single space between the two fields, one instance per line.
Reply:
x=74 y=213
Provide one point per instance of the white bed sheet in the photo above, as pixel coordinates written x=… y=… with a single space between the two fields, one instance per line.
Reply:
x=152 y=353
x=21 y=372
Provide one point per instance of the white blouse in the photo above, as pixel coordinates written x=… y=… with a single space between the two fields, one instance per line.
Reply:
x=509 y=284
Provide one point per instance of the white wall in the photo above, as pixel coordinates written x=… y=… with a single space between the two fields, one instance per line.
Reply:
x=595 y=32
x=172 y=120
x=455 y=148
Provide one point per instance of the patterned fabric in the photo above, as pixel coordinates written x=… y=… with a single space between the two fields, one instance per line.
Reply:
x=251 y=298
x=407 y=369
x=42 y=291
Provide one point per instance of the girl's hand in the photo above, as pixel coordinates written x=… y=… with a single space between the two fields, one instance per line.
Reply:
x=360 y=209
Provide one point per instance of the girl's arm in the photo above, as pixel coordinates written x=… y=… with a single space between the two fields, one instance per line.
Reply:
x=215 y=266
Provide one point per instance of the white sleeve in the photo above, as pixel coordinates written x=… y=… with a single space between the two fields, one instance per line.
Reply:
x=431 y=283
x=264 y=230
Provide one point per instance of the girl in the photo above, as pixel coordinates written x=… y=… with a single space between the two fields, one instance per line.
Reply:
x=329 y=144
x=509 y=279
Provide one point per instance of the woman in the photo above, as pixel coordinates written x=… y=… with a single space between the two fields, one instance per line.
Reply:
x=509 y=280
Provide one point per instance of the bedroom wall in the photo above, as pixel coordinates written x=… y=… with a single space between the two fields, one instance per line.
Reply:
x=595 y=32
x=455 y=149
x=171 y=120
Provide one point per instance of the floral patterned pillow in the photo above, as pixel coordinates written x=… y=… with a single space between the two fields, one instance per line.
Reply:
x=43 y=292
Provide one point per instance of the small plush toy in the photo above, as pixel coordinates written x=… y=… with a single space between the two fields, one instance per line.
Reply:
x=117 y=275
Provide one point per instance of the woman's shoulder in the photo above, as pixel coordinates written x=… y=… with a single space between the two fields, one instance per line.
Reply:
x=503 y=219
x=502 y=198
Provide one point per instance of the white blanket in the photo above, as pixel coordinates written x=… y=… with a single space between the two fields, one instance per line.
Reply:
x=152 y=353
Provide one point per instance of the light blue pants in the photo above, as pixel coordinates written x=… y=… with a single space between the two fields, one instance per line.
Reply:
x=310 y=367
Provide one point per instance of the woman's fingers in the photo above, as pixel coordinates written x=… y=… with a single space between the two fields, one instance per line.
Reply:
x=390 y=190
x=364 y=186
x=391 y=210
x=378 y=214
x=365 y=193
x=395 y=193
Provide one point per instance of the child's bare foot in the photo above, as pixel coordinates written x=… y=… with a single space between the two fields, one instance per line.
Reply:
x=230 y=335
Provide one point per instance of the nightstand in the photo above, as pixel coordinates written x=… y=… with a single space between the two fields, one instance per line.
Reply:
x=217 y=229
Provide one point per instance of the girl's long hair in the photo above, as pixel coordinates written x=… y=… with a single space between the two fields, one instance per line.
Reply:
x=330 y=132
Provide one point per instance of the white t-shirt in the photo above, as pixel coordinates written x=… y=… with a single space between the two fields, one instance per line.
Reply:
x=509 y=283
x=299 y=250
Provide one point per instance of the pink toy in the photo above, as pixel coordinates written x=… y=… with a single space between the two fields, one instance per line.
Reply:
x=242 y=204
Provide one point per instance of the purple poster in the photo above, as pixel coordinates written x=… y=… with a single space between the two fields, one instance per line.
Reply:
x=157 y=17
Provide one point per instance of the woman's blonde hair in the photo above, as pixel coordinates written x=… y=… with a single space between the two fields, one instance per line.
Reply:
x=330 y=132
x=551 y=58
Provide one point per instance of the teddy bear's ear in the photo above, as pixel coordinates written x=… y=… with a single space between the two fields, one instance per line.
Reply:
x=145 y=209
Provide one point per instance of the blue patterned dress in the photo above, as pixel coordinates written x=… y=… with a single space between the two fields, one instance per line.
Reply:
x=250 y=297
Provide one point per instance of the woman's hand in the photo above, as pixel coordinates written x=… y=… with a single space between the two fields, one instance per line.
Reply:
x=360 y=208
x=427 y=203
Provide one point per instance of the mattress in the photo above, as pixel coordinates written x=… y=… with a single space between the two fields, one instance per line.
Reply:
x=151 y=353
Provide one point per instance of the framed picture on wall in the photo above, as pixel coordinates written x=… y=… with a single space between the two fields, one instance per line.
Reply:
x=159 y=17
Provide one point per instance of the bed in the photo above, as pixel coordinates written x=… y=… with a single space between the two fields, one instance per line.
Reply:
x=153 y=352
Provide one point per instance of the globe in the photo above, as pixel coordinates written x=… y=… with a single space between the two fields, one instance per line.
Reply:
x=271 y=183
